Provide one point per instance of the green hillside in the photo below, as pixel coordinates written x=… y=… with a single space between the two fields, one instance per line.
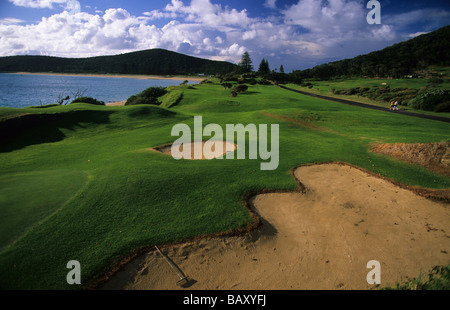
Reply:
x=405 y=58
x=148 y=62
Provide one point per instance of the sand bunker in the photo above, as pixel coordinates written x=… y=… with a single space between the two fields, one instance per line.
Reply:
x=320 y=239
x=434 y=156
x=210 y=149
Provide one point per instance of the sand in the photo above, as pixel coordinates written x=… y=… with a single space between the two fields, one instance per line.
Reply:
x=433 y=156
x=116 y=103
x=321 y=238
x=212 y=150
x=129 y=76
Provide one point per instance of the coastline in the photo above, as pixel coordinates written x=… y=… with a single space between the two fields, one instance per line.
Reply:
x=127 y=76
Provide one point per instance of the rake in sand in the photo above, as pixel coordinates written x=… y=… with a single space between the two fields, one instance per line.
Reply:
x=183 y=279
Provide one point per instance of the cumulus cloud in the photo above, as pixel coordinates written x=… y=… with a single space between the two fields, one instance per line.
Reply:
x=297 y=36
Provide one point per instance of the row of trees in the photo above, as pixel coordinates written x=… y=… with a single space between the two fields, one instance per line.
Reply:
x=246 y=66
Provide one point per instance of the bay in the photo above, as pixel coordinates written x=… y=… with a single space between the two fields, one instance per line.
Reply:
x=23 y=90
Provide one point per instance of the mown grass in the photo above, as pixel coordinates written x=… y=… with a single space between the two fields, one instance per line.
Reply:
x=99 y=195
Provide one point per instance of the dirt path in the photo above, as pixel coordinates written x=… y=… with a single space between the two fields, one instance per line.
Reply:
x=320 y=239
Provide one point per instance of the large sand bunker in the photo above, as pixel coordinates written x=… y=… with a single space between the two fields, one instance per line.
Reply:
x=209 y=149
x=320 y=239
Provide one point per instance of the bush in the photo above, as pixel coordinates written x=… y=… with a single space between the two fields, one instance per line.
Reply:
x=429 y=100
x=88 y=100
x=227 y=85
x=435 y=81
x=264 y=82
x=148 y=96
x=443 y=107
x=240 y=88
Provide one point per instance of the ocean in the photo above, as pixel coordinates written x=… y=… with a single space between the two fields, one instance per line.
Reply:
x=23 y=90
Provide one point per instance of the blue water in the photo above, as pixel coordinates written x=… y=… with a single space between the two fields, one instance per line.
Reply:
x=22 y=90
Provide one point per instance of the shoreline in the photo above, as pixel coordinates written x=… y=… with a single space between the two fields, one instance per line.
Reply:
x=127 y=76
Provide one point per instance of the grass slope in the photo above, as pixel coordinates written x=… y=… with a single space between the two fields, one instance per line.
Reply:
x=99 y=194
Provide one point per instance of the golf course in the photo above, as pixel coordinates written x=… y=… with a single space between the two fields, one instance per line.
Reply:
x=84 y=182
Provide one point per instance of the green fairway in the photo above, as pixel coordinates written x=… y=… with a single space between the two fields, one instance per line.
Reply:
x=80 y=183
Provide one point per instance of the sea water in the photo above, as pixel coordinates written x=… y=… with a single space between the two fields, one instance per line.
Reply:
x=23 y=90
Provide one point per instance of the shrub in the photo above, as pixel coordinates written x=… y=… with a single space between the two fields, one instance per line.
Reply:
x=429 y=99
x=264 y=82
x=89 y=100
x=240 y=88
x=435 y=81
x=233 y=93
x=227 y=85
x=443 y=107
x=148 y=96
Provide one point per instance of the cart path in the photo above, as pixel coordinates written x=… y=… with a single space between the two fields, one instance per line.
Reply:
x=370 y=106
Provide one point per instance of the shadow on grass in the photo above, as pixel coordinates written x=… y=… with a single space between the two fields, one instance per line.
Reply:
x=30 y=129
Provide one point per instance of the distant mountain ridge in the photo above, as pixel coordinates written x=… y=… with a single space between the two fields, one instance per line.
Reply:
x=146 y=62
x=404 y=58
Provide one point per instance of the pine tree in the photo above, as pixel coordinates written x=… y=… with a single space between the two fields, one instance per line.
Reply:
x=281 y=69
x=264 y=67
x=245 y=64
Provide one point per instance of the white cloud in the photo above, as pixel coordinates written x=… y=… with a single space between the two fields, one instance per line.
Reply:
x=71 y=6
x=41 y=4
x=11 y=21
x=416 y=34
x=271 y=4
x=299 y=36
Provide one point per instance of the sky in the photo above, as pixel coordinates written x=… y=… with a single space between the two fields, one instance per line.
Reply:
x=297 y=34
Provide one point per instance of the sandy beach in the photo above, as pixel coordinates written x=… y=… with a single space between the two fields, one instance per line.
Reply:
x=128 y=76
x=321 y=238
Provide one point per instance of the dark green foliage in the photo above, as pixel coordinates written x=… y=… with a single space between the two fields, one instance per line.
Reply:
x=264 y=82
x=154 y=61
x=429 y=100
x=264 y=67
x=89 y=100
x=148 y=96
x=227 y=85
x=240 y=88
x=432 y=49
x=443 y=107
x=245 y=65
x=435 y=81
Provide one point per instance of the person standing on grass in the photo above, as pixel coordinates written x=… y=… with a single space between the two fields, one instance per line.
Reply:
x=396 y=105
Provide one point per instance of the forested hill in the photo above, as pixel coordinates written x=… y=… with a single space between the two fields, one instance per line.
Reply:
x=148 y=62
x=432 y=49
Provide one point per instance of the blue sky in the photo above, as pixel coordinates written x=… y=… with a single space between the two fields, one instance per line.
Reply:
x=296 y=33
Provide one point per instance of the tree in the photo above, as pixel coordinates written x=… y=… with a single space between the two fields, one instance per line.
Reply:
x=281 y=69
x=245 y=65
x=264 y=67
